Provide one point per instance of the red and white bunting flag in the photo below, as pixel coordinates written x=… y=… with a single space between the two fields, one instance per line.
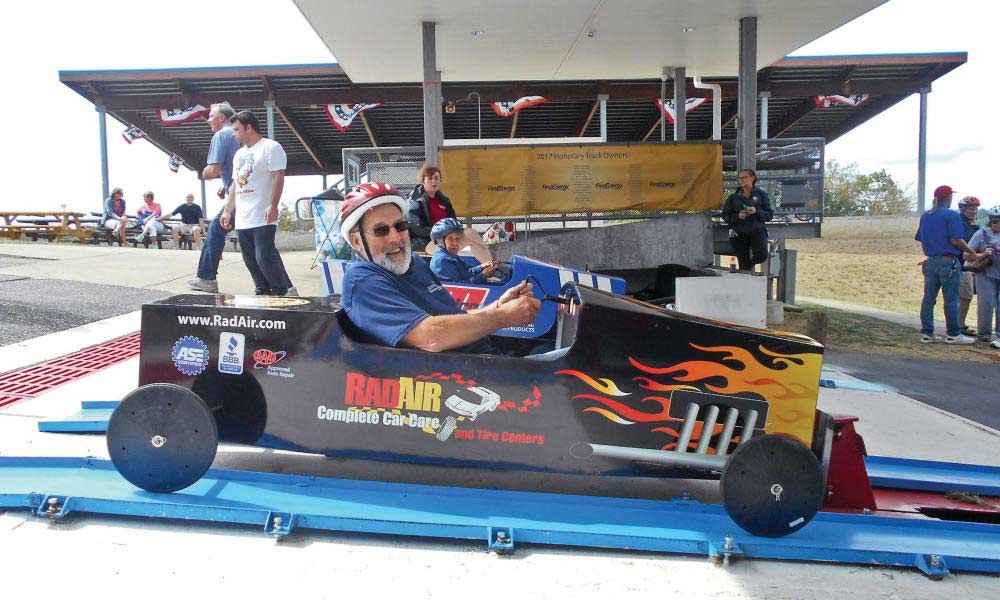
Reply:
x=133 y=133
x=175 y=162
x=507 y=109
x=670 y=111
x=176 y=116
x=341 y=115
x=855 y=100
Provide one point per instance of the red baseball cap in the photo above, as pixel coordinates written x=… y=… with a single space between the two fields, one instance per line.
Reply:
x=943 y=190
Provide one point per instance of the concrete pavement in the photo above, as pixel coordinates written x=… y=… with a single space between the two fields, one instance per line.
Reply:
x=119 y=556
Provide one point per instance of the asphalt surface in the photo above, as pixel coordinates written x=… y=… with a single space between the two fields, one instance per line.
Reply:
x=34 y=307
x=971 y=390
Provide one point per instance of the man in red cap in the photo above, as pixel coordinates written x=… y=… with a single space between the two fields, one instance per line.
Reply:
x=967 y=208
x=398 y=301
x=941 y=234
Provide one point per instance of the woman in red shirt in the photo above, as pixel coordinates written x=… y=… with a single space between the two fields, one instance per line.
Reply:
x=427 y=206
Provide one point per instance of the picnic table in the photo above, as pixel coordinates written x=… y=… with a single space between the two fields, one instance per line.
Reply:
x=51 y=224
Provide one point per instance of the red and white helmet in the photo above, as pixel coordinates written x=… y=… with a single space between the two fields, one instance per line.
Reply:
x=969 y=201
x=365 y=197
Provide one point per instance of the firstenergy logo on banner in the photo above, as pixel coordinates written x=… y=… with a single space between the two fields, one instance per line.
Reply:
x=237 y=321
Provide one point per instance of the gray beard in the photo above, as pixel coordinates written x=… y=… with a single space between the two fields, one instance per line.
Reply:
x=383 y=261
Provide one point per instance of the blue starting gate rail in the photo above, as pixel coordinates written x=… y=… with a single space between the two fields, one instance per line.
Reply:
x=56 y=487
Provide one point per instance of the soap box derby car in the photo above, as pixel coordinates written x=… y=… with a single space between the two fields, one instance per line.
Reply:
x=631 y=390
x=546 y=276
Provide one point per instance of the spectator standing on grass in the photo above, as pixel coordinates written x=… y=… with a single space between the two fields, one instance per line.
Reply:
x=221 y=151
x=259 y=169
x=149 y=219
x=986 y=242
x=192 y=221
x=941 y=235
x=746 y=211
x=114 y=214
x=967 y=208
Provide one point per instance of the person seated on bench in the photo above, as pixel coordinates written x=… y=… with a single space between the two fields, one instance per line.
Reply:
x=149 y=219
x=449 y=236
x=114 y=215
x=397 y=301
x=192 y=221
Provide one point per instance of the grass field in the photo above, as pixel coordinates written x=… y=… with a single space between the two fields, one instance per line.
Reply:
x=872 y=261
x=858 y=333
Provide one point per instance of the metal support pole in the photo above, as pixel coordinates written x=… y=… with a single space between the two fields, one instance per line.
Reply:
x=433 y=121
x=786 y=281
x=324 y=182
x=604 y=117
x=663 y=102
x=764 y=96
x=922 y=153
x=680 y=104
x=204 y=198
x=269 y=105
x=105 y=188
x=746 y=122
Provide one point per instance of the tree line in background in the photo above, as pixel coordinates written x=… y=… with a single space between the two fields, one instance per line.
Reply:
x=848 y=192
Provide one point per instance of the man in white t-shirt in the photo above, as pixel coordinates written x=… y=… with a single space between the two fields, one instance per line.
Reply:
x=258 y=178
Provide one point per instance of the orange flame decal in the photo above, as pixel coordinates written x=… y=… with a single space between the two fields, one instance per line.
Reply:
x=790 y=385
x=627 y=415
x=605 y=386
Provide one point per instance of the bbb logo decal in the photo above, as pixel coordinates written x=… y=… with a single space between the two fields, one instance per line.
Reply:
x=190 y=355
x=231 y=353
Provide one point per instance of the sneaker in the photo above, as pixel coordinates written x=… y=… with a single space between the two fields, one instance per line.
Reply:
x=292 y=291
x=927 y=339
x=204 y=285
x=140 y=238
x=996 y=343
x=969 y=331
x=959 y=339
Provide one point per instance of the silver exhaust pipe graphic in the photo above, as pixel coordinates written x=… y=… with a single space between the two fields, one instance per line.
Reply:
x=670 y=458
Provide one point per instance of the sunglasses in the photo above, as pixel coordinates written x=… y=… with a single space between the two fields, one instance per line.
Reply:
x=383 y=230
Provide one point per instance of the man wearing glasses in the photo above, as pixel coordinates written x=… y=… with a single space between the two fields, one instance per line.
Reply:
x=397 y=301
x=220 y=164
x=259 y=177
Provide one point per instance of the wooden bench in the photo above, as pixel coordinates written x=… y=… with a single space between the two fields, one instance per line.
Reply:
x=50 y=225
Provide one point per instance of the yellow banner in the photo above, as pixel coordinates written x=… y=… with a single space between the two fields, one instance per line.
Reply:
x=520 y=180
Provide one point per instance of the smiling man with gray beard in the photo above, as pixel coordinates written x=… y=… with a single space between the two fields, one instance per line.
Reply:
x=396 y=300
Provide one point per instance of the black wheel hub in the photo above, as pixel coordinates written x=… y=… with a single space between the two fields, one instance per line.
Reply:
x=772 y=486
x=162 y=437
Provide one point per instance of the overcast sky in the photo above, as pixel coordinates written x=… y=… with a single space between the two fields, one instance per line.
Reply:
x=52 y=154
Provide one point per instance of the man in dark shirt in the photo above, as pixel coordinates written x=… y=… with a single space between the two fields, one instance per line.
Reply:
x=397 y=301
x=192 y=221
x=940 y=235
x=967 y=208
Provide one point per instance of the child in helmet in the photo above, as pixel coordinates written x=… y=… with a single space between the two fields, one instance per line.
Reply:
x=449 y=237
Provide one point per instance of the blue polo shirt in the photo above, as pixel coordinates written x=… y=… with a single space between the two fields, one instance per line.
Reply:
x=386 y=306
x=221 y=151
x=449 y=267
x=937 y=228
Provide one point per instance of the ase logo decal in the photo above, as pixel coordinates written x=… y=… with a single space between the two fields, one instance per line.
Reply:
x=190 y=355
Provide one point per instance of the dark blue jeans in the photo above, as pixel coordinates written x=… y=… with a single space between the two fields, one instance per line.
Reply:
x=941 y=274
x=211 y=250
x=263 y=261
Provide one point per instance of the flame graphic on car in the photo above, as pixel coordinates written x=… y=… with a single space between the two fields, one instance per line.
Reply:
x=790 y=384
x=605 y=386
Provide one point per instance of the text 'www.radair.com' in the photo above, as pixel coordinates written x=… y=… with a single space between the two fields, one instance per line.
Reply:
x=238 y=321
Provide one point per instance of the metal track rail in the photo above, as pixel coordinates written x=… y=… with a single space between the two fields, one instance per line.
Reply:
x=56 y=487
